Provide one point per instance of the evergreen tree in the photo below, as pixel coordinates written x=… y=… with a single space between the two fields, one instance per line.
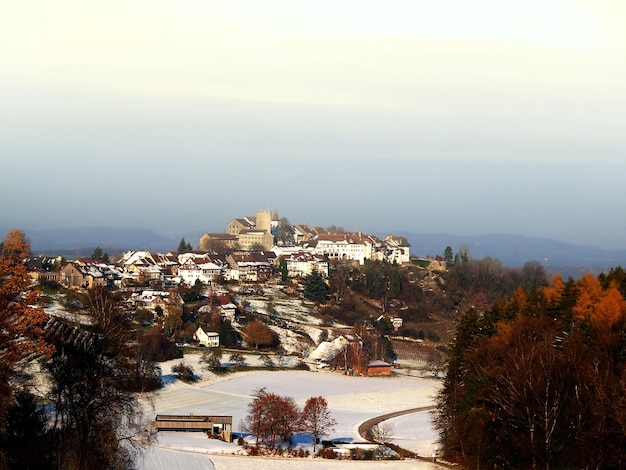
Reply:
x=184 y=247
x=229 y=337
x=315 y=288
x=282 y=268
x=97 y=253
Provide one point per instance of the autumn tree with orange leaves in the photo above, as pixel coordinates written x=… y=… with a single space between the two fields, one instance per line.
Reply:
x=316 y=419
x=272 y=418
x=601 y=307
x=540 y=381
x=21 y=323
x=259 y=335
x=21 y=318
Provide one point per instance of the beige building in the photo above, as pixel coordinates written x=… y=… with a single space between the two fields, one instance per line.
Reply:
x=82 y=275
x=218 y=242
x=252 y=231
x=236 y=226
x=249 y=239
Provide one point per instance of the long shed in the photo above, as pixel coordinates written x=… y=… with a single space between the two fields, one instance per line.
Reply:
x=214 y=426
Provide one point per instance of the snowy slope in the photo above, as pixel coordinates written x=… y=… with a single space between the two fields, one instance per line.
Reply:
x=351 y=401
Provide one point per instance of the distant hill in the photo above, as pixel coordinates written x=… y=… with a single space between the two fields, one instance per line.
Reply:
x=82 y=241
x=515 y=250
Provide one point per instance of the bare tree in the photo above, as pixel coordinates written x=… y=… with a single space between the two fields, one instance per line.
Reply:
x=267 y=361
x=96 y=419
x=184 y=371
x=383 y=434
x=238 y=359
x=435 y=365
x=281 y=356
x=213 y=359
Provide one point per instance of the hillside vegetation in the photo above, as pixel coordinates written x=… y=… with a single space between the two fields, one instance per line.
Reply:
x=538 y=381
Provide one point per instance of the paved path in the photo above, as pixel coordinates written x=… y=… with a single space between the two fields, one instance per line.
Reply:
x=366 y=427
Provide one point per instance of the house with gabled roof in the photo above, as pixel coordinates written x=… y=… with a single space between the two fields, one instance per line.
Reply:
x=132 y=257
x=226 y=307
x=251 y=266
x=167 y=262
x=206 y=337
x=236 y=226
x=86 y=273
x=112 y=275
x=396 y=249
x=222 y=304
x=344 y=353
x=302 y=233
x=141 y=266
x=201 y=268
x=151 y=299
x=303 y=263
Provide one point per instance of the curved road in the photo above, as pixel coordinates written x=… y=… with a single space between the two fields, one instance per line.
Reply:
x=366 y=426
x=365 y=429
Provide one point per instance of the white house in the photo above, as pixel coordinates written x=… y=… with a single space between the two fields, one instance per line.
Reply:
x=302 y=264
x=396 y=250
x=344 y=246
x=210 y=339
x=199 y=269
x=151 y=299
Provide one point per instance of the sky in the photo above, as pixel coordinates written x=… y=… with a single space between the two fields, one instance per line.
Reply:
x=466 y=116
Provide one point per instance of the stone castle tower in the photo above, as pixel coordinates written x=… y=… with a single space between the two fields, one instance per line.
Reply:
x=263 y=220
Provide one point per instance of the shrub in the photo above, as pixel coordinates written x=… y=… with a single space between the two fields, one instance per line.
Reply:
x=237 y=359
x=327 y=454
x=213 y=359
x=155 y=346
x=301 y=365
x=144 y=317
x=434 y=337
x=184 y=372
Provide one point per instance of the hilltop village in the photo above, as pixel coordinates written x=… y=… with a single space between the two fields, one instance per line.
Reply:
x=267 y=285
x=249 y=252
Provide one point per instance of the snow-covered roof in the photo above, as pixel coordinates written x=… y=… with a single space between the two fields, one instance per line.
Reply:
x=326 y=351
x=378 y=363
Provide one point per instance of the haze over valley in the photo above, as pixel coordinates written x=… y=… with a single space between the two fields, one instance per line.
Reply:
x=467 y=118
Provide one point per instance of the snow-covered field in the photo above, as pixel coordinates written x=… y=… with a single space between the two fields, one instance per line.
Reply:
x=351 y=401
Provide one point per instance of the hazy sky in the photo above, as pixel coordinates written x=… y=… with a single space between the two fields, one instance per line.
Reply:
x=460 y=116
